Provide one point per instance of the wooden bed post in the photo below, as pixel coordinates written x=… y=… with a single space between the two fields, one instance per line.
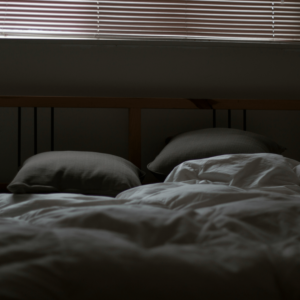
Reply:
x=135 y=149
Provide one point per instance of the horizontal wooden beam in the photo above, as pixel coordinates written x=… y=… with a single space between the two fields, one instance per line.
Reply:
x=91 y=102
x=252 y=104
x=144 y=103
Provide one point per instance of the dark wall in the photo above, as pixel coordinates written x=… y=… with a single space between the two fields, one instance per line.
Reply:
x=153 y=69
x=190 y=69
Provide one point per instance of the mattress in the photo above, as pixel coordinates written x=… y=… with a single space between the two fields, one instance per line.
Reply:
x=193 y=239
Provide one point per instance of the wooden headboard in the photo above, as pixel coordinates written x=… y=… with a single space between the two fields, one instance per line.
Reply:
x=134 y=106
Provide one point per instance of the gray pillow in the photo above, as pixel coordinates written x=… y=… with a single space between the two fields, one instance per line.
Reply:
x=76 y=172
x=206 y=143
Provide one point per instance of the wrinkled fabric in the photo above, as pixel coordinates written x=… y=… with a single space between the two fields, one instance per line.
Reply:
x=198 y=239
x=239 y=170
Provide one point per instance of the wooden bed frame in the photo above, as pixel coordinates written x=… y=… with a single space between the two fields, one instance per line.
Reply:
x=134 y=106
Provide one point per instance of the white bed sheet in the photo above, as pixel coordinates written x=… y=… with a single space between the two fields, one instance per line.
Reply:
x=198 y=239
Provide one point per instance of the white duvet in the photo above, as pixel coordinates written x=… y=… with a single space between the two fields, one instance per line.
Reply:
x=227 y=227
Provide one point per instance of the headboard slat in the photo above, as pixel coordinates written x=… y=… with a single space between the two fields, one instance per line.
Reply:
x=135 y=136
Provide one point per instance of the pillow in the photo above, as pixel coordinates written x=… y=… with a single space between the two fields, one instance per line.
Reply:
x=239 y=170
x=76 y=172
x=207 y=143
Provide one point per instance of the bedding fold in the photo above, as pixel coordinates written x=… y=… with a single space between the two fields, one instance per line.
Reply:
x=194 y=239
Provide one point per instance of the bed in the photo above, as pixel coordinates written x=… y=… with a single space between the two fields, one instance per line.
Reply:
x=220 y=227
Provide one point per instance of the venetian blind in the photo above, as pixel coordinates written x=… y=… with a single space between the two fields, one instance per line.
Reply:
x=153 y=19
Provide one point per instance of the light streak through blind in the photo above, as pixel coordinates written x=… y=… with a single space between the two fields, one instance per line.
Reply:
x=154 y=20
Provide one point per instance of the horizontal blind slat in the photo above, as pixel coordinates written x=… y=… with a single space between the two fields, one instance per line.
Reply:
x=135 y=19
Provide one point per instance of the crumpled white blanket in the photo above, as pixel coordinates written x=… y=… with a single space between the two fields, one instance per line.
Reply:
x=209 y=236
x=240 y=170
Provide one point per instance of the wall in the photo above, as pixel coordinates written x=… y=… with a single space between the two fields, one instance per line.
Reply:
x=202 y=69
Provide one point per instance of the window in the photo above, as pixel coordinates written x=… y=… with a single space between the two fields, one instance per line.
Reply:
x=276 y=20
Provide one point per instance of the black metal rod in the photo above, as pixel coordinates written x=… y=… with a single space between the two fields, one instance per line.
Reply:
x=245 y=119
x=35 y=130
x=52 y=128
x=214 y=118
x=19 y=135
x=229 y=118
